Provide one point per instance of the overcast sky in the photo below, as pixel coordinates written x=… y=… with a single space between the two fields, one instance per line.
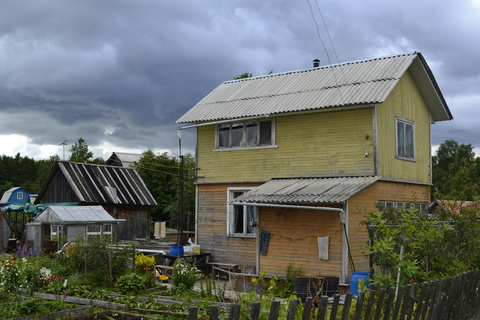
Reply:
x=120 y=72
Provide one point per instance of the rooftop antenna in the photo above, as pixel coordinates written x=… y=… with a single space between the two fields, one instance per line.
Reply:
x=64 y=143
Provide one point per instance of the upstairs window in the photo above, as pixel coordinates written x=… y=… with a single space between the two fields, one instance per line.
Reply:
x=245 y=134
x=405 y=139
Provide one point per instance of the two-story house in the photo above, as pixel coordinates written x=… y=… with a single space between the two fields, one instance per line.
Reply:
x=287 y=164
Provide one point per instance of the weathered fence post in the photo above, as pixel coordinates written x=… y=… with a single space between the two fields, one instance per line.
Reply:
x=255 y=312
x=359 y=307
x=307 y=308
x=378 y=311
x=274 y=310
x=234 y=313
x=193 y=313
x=292 y=307
x=346 y=306
x=322 y=308
x=213 y=312
x=334 y=310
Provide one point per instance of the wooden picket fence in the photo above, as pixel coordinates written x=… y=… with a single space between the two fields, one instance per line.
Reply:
x=450 y=298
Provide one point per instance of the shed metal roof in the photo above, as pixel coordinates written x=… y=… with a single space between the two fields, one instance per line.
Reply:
x=335 y=190
x=101 y=184
x=123 y=159
x=74 y=215
x=346 y=84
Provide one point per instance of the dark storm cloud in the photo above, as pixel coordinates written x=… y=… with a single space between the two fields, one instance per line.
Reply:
x=119 y=73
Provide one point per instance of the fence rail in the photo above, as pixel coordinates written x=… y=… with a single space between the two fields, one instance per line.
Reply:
x=450 y=298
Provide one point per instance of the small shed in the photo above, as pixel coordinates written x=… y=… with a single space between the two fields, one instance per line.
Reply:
x=67 y=223
x=15 y=195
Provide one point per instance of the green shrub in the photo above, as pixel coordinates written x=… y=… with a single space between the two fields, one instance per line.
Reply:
x=131 y=283
x=103 y=259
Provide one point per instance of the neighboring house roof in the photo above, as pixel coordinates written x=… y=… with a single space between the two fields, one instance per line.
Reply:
x=74 y=215
x=8 y=194
x=307 y=190
x=123 y=159
x=345 y=84
x=453 y=206
x=100 y=184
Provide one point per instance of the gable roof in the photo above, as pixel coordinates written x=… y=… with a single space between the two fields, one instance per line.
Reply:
x=75 y=215
x=122 y=159
x=307 y=190
x=346 y=84
x=93 y=183
x=7 y=195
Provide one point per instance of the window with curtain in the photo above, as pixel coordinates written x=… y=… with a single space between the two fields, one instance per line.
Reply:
x=246 y=134
x=240 y=217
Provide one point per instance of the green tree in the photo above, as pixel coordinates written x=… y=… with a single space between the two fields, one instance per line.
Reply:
x=243 y=76
x=161 y=174
x=80 y=152
x=455 y=171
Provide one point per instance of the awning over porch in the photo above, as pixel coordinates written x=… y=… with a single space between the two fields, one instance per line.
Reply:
x=307 y=190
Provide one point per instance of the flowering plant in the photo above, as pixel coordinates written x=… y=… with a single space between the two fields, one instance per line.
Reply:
x=10 y=275
x=184 y=274
x=143 y=263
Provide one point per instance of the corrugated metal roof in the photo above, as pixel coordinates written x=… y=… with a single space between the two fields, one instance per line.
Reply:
x=76 y=214
x=307 y=190
x=101 y=184
x=353 y=83
x=123 y=159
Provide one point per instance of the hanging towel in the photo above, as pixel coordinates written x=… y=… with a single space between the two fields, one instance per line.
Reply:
x=159 y=229
x=264 y=238
x=323 y=247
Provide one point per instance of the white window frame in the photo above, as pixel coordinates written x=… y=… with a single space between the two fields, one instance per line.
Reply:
x=231 y=215
x=243 y=143
x=100 y=230
x=56 y=230
x=403 y=205
x=19 y=195
x=403 y=154
x=96 y=232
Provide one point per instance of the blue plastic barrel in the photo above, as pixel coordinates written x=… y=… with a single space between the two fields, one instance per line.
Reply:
x=356 y=276
x=176 y=251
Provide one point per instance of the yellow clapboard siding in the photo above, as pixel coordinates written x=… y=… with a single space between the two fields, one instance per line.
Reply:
x=405 y=101
x=317 y=144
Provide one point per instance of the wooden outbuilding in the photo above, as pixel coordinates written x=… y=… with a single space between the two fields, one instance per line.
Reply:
x=119 y=190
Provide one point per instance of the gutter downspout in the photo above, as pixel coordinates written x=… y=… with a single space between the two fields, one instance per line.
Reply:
x=289 y=206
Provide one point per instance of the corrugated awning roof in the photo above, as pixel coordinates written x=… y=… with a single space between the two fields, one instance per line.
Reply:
x=307 y=190
x=346 y=84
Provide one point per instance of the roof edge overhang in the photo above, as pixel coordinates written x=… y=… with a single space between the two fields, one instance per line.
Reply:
x=429 y=88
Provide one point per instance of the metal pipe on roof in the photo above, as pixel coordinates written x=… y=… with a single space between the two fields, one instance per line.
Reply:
x=291 y=206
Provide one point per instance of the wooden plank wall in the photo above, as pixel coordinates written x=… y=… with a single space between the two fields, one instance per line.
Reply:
x=212 y=228
x=293 y=239
x=364 y=202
